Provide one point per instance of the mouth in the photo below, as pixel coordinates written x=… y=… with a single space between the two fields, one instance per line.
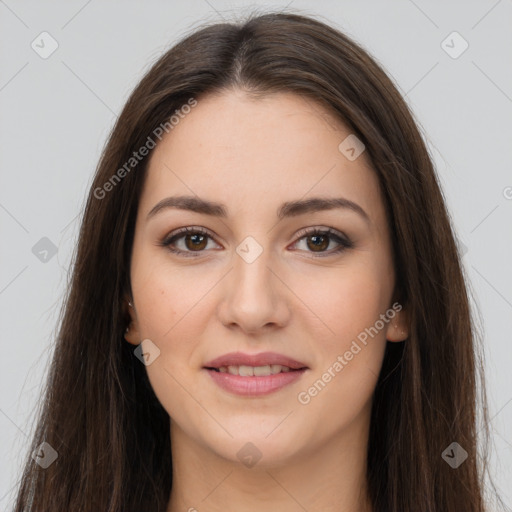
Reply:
x=264 y=363
x=255 y=371
x=254 y=375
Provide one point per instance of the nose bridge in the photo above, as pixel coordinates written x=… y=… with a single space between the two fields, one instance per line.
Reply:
x=251 y=298
x=252 y=274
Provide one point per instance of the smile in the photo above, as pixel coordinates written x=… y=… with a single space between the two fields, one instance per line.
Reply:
x=253 y=371
x=243 y=381
x=254 y=375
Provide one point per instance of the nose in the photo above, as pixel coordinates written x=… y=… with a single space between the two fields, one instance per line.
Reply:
x=255 y=298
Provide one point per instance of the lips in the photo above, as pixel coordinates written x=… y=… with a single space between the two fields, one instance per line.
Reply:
x=254 y=375
x=239 y=359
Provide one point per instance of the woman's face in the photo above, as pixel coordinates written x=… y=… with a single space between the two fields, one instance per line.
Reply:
x=258 y=279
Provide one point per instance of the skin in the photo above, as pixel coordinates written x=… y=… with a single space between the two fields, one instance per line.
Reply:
x=253 y=155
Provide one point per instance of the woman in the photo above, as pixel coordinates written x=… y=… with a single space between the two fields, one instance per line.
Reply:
x=267 y=305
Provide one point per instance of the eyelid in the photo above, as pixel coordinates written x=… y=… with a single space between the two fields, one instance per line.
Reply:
x=324 y=230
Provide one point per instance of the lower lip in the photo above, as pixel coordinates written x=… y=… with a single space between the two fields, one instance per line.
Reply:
x=254 y=386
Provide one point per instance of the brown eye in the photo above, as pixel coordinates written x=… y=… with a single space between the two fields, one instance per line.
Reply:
x=318 y=240
x=195 y=240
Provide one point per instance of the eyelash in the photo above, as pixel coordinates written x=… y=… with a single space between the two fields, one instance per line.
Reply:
x=344 y=242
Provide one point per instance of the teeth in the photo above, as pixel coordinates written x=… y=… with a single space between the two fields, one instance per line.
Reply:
x=261 y=371
x=245 y=371
x=255 y=371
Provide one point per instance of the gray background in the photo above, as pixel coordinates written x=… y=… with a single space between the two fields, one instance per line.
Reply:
x=57 y=112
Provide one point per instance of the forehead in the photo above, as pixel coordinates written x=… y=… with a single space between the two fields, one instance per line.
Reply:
x=257 y=153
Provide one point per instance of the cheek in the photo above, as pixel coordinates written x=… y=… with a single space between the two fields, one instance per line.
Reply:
x=166 y=313
x=172 y=314
x=166 y=294
x=349 y=354
x=349 y=344
x=344 y=301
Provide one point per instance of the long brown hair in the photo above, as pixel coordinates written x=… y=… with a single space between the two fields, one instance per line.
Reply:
x=100 y=413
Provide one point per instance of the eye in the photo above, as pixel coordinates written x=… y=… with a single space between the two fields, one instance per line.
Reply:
x=319 y=239
x=195 y=240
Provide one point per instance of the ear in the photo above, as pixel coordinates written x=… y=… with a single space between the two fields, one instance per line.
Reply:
x=131 y=335
x=398 y=326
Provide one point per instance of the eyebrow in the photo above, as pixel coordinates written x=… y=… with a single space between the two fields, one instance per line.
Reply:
x=288 y=209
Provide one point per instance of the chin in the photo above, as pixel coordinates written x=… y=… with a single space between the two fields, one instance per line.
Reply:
x=252 y=445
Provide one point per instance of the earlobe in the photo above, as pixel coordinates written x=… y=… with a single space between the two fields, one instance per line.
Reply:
x=398 y=327
x=131 y=334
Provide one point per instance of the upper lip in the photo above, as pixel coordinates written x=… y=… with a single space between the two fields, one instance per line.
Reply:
x=261 y=359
